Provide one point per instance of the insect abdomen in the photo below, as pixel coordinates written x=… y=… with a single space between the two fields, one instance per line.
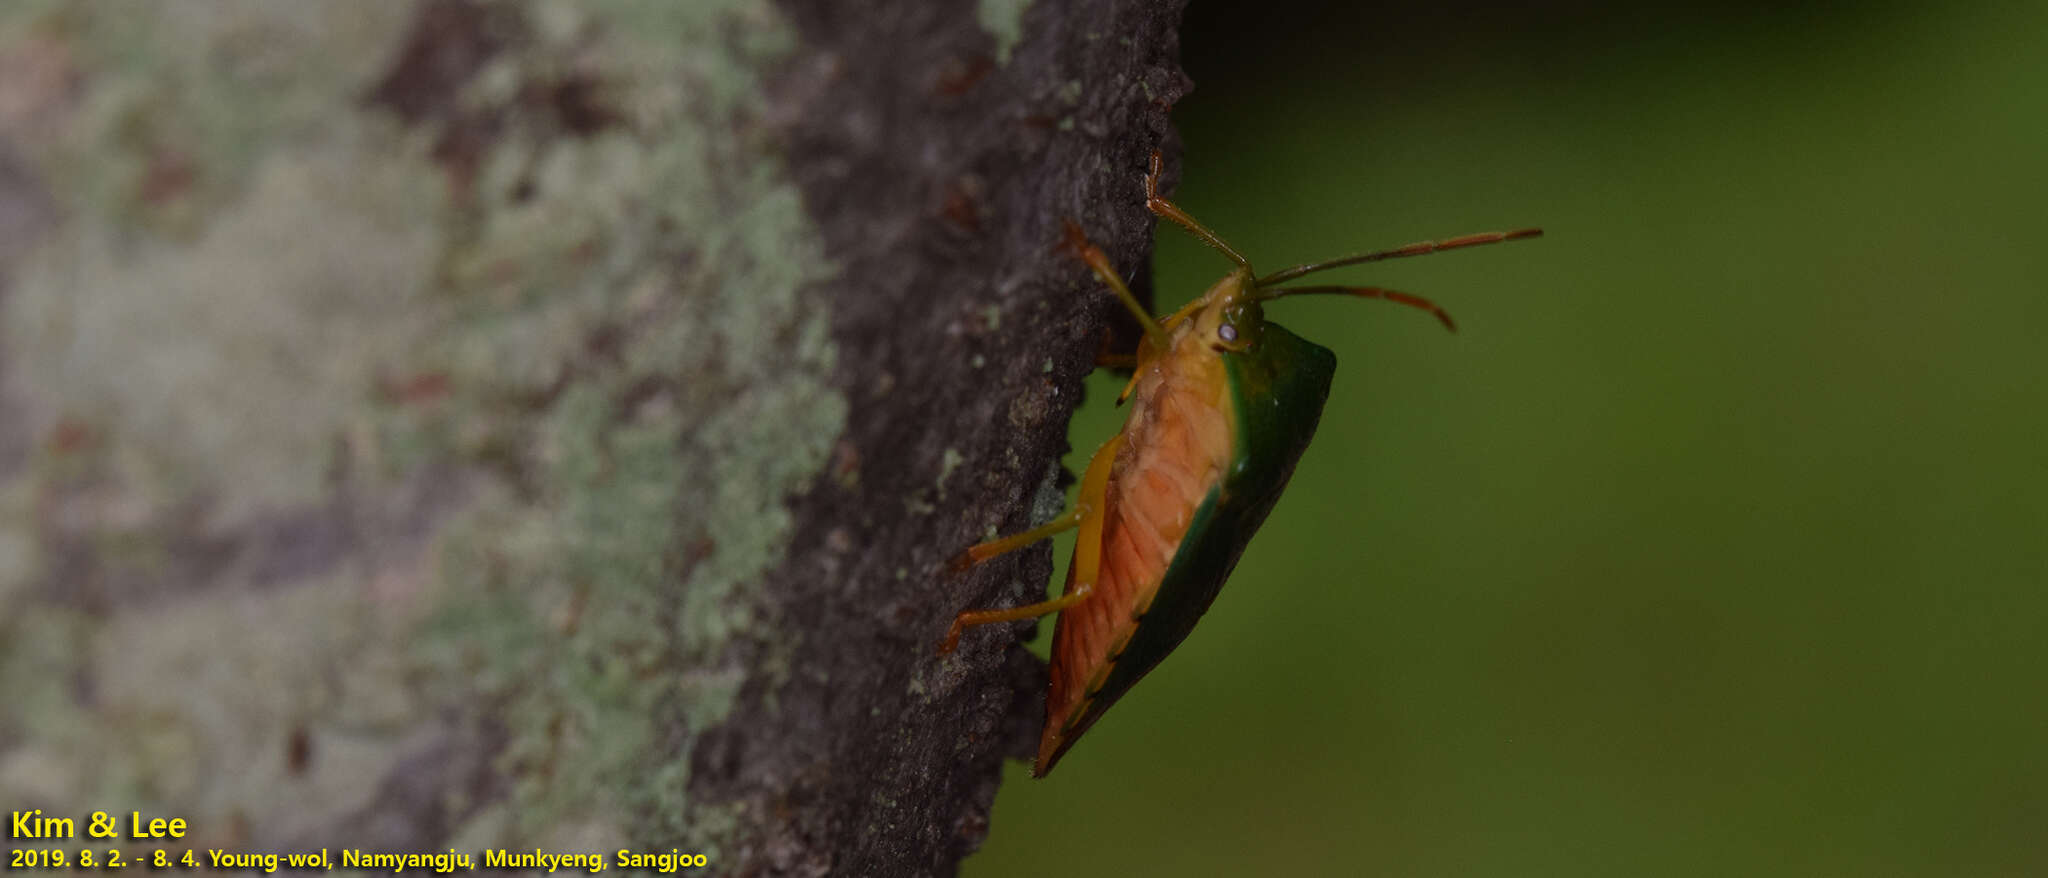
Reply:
x=1177 y=444
x=1275 y=398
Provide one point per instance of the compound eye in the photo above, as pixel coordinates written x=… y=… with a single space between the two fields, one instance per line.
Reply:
x=1226 y=332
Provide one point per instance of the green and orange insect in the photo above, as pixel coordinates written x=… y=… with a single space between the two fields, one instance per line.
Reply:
x=1222 y=405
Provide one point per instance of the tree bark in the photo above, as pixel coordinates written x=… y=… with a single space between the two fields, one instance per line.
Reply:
x=502 y=425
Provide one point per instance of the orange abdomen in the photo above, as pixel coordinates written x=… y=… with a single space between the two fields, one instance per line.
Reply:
x=1177 y=444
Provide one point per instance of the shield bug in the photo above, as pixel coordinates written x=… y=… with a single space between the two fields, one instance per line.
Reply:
x=1222 y=405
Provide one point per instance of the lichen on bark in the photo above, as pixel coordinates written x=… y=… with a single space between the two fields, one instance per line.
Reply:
x=560 y=287
x=510 y=424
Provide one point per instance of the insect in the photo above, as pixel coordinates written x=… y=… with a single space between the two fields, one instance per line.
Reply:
x=1222 y=405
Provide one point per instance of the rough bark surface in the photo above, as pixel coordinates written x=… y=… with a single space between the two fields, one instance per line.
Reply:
x=501 y=425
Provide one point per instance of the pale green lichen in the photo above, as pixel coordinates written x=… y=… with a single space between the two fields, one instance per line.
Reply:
x=20 y=557
x=192 y=704
x=632 y=382
x=949 y=460
x=145 y=319
x=216 y=87
x=237 y=253
x=1004 y=20
x=672 y=453
x=210 y=364
x=1049 y=500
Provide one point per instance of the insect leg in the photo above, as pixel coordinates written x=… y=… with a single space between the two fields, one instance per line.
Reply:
x=1078 y=242
x=980 y=552
x=1168 y=210
x=1106 y=357
x=1087 y=552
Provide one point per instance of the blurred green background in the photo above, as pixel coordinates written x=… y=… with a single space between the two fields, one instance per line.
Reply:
x=1714 y=544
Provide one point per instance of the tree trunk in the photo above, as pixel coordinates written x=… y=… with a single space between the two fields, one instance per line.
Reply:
x=509 y=425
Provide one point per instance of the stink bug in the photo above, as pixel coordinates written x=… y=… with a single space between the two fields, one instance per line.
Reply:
x=1222 y=405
